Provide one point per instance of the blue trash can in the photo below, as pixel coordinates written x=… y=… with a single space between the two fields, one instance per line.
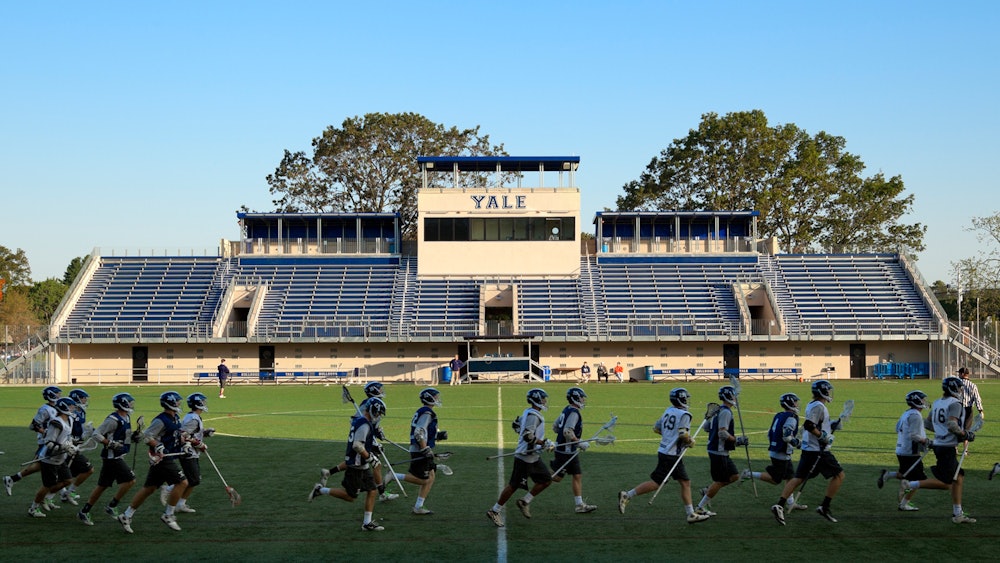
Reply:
x=446 y=374
x=649 y=373
x=547 y=372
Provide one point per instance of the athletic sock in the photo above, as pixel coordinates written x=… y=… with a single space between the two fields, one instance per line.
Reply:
x=16 y=477
x=114 y=502
x=86 y=507
x=367 y=519
x=334 y=470
x=892 y=475
x=181 y=503
x=420 y=502
x=631 y=493
x=169 y=511
x=527 y=498
x=826 y=502
x=129 y=512
x=324 y=490
x=688 y=509
x=756 y=474
x=381 y=488
x=956 y=509
x=783 y=501
x=497 y=507
x=71 y=488
x=578 y=500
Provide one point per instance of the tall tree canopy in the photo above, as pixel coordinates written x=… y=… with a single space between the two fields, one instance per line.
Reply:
x=980 y=274
x=14 y=267
x=369 y=164
x=808 y=189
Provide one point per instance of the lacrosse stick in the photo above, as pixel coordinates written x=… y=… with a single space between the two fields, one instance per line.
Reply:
x=346 y=397
x=976 y=425
x=711 y=410
x=734 y=380
x=915 y=463
x=392 y=472
x=138 y=430
x=234 y=497
x=442 y=468
x=598 y=439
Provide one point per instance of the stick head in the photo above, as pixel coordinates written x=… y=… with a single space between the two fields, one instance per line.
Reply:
x=345 y=395
x=444 y=469
x=605 y=440
x=711 y=410
x=234 y=497
x=845 y=414
x=977 y=423
x=610 y=425
x=734 y=381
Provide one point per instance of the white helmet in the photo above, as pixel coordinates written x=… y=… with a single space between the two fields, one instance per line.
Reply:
x=539 y=399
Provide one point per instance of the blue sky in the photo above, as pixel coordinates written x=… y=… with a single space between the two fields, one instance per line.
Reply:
x=137 y=125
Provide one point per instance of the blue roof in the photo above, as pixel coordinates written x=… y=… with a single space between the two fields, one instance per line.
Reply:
x=688 y=214
x=506 y=163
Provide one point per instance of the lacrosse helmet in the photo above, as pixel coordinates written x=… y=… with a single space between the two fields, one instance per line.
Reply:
x=916 y=399
x=679 y=397
x=64 y=405
x=80 y=396
x=727 y=393
x=197 y=401
x=123 y=401
x=789 y=401
x=952 y=387
x=430 y=397
x=822 y=389
x=539 y=399
x=375 y=408
x=374 y=389
x=576 y=397
x=51 y=394
x=171 y=400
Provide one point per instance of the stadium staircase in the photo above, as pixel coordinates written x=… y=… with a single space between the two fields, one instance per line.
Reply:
x=773 y=276
x=403 y=294
x=22 y=369
x=974 y=347
x=590 y=291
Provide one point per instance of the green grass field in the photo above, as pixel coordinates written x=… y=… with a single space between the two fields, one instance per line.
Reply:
x=272 y=442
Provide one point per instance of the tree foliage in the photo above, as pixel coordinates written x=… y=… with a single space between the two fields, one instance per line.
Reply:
x=45 y=297
x=14 y=267
x=810 y=192
x=73 y=270
x=368 y=164
x=980 y=274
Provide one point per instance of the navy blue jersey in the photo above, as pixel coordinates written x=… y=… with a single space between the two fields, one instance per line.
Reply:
x=430 y=418
x=361 y=429
x=784 y=424
x=715 y=443
x=78 y=417
x=116 y=428
x=170 y=435
x=569 y=415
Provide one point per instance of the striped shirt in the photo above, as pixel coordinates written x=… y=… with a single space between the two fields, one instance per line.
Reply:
x=970 y=395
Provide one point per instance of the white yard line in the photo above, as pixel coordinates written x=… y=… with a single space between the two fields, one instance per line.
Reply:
x=501 y=532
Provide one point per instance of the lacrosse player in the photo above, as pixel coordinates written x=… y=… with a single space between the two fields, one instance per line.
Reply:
x=527 y=461
x=54 y=457
x=674 y=428
x=114 y=435
x=373 y=389
x=423 y=437
x=782 y=442
x=568 y=428
x=164 y=440
x=911 y=445
x=816 y=459
x=360 y=458
x=39 y=424
x=946 y=419
x=193 y=433
x=80 y=467
x=722 y=440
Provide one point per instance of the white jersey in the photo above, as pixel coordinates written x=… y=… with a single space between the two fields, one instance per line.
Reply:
x=45 y=413
x=59 y=432
x=670 y=426
x=941 y=411
x=195 y=428
x=817 y=412
x=532 y=424
x=910 y=433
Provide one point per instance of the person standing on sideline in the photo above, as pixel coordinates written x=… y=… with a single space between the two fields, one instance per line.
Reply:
x=816 y=459
x=527 y=459
x=619 y=372
x=911 y=444
x=783 y=440
x=584 y=373
x=223 y=376
x=456 y=370
x=674 y=428
x=970 y=397
x=568 y=429
x=114 y=434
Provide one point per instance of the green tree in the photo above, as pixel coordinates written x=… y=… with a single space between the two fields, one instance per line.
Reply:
x=14 y=268
x=369 y=164
x=980 y=274
x=45 y=297
x=73 y=270
x=808 y=189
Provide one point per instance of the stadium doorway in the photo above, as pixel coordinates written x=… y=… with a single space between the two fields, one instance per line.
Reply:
x=731 y=356
x=266 y=363
x=140 y=363
x=859 y=369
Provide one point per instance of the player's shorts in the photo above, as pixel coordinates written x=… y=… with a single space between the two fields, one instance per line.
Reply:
x=722 y=468
x=780 y=470
x=114 y=471
x=53 y=474
x=947 y=463
x=357 y=480
x=524 y=470
x=572 y=468
x=192 y=470
x=908 y=461
x=663 y=464
x=167 y=471
x=421 y=465
x=79 y=465
x=814 y=463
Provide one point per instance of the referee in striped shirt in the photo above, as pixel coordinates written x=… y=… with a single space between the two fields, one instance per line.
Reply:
x=970 y=397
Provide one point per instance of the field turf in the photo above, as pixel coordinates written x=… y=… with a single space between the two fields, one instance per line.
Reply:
x=272 y=441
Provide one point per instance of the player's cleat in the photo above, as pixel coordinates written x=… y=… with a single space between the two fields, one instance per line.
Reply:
x=584 y=508
x=746 y=475
x=164 y=495
x=963 y=518
x=495 y=518
x=524 y=507
x=69 y=497
x=790 y=506
x=85 y=518
x=324 y=474
x=622 y=501
x=881 y=478
x=387 y=496
x=8 y=485
x=171 y=521
x=697 y=517
x=112 y=511
x=184 y=508
x=315 y=492
x=779 y=513
x=704 y=511
x=825 y=513
x=372 y=527
x=35 y=512
x=907 y=507
x=422 y=511
x=126 y=523
x=49 y=505
x=993 y=473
